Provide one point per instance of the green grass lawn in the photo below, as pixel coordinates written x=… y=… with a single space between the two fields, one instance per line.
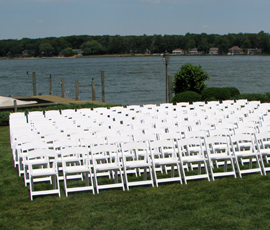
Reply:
x=225 y=203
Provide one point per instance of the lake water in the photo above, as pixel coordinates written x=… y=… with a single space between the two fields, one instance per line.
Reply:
x=130 y=80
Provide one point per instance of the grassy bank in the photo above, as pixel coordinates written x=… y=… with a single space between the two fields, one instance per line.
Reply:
x=226 y=203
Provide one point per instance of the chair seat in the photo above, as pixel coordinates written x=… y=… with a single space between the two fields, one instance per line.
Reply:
x=43 y=172
x=137 y=164
x=76 y=169
x=220 y=156
x=70 y=159
x=166 y=161
x=189 y=159
x=265 y=151
x=107 y=166
x=247 y=154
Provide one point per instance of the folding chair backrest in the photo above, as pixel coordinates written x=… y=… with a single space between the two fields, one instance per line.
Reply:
x=241 y=142
x=135 y=148
x=217 y=144
x=162 y=147
x=191 y=146
x=104 y=151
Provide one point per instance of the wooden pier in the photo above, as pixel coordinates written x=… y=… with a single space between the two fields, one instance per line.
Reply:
x=47 y=100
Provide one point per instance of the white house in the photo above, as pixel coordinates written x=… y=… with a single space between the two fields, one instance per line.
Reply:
x=178 y=51
x=213 y=50
x=193 y=51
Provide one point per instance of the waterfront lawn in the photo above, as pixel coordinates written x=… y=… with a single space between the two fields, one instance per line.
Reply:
x=225 y=203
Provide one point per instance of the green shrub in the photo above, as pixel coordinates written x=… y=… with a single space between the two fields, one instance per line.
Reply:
x=4 y=118
x=215 y=93
x=233 y=91
x=187 y=96
x=190 y=78
x=255 y=97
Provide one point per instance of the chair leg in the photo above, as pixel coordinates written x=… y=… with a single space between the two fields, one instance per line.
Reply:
x=206 y=170
x=183 y=172
x=225 y=166
x=262 y=166
x=233 y=167
x=86 y=179
x=96 y=183
x=115 y=176
x=179 y=173
x=199 y=168
x=172 y=170
x=65 y=184
x=121 y=178
x=31 y=186
x=155 y=175
x=58 y=185
x=126 y=179
x=151 y=176
x=211 y=170
x=238 y=168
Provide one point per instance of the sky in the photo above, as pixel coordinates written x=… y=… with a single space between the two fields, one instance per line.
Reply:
x=55 y=18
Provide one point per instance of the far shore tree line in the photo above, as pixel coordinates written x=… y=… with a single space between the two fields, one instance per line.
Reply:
x=107 y=44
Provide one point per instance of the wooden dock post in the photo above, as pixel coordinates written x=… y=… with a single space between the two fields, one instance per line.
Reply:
x=102 y=86
x=15 y=105
x=93 y=90
x=62 y=82
x=34 y=80
x=77 y=89
x=50 y=85
x=170 y=79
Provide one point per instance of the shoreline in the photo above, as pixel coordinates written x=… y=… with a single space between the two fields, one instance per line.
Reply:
x=125 y=55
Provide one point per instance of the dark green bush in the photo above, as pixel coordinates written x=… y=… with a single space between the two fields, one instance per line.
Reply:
x=189 y=78
x=216 y=94
x=255 y=97
x=233 y=91
x=4 y=116
x=187 y=96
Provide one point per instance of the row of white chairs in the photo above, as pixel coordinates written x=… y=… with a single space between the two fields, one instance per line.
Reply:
x=31 y=127
x=151 y=156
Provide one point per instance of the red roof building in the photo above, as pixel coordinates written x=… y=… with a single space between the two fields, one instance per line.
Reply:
x=236 y=50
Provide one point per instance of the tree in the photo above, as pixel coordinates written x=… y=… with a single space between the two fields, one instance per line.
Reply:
x=46 y=48
x=190 y=78
x=93 y=46
x=68 y=52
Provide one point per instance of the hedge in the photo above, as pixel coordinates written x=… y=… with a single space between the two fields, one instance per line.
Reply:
x=215 y=93
x=187 y=96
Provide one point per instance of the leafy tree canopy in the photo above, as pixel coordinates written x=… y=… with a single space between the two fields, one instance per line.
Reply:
x=189 y=78
x=45 y=48
x=92 y=47
x=68 y=52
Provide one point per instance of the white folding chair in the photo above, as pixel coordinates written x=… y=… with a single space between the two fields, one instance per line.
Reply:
x=190 y=151
x=138 y=163
x=75 y=162
x=43 y=163
x=263 y=140
x=18 y=140
x=163 y=154
x=107 y=166
x=244 y=146
x=219 y=153
x=23 y=151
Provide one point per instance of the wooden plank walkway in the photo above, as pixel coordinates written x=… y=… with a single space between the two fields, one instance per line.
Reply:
x=58 y=100
x=48 y=100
